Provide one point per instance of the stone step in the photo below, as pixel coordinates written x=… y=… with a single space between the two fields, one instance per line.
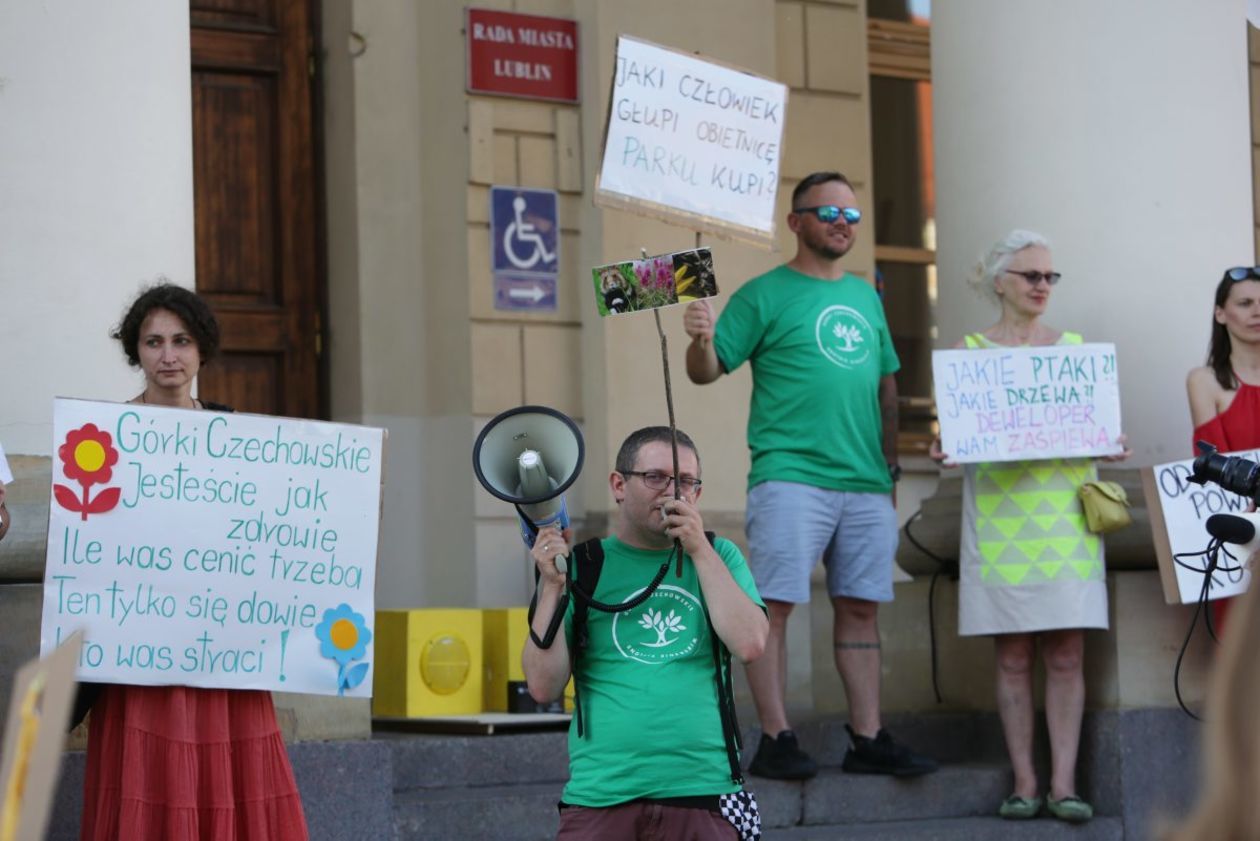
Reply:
x=948 y=737
x=955 y=791
x=956 y=829
x=428 y=761
x=431 y=761
x=517 y=812
x=522 y=812
x=834 y=797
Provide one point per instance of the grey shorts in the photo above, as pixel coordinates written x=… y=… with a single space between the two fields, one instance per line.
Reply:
x=790 y=526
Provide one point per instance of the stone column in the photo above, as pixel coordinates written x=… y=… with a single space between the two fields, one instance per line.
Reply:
x=1120 y=131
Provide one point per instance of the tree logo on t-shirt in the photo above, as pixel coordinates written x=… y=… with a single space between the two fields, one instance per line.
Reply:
x=664 y=628
x=844 y=336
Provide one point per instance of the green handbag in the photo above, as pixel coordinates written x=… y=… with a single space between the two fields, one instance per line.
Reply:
x=1106 y=506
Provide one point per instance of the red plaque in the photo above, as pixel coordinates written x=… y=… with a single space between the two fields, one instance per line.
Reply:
x=526 y=56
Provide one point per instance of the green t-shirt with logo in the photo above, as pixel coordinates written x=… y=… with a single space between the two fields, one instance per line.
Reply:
x=647 y=685
x=818 y=349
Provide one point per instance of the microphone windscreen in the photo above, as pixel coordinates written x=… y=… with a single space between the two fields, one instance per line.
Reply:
x=1230 y=528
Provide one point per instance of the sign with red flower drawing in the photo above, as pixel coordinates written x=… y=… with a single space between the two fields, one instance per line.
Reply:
x=87 y=457
x=213 y=549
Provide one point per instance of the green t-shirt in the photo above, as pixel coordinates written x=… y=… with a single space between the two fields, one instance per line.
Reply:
x=647 y=685
x=818 y=349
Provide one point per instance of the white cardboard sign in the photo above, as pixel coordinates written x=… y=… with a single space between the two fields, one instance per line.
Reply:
x=213 y=549
x=692 y=141
x=1013 y=404
x=1179 y=510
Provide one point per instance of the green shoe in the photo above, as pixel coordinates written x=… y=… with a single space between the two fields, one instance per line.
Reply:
x=1071 y=809
x=1016 y=808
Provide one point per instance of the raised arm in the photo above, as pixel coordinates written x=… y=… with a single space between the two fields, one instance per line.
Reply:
x=547 y=669
x=703 y=365
x=740 y=622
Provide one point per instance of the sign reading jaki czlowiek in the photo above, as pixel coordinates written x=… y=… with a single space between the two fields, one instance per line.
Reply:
x=693 y=142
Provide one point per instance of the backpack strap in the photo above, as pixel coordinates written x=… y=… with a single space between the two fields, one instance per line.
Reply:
x=549 y=636
x=725 y=692
x=587 y=563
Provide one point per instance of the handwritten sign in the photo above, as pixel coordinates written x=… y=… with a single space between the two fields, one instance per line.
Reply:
x=654 y=282
x=1179 y=510
x=213 y=549
x=1011 y=404
x=692 y=142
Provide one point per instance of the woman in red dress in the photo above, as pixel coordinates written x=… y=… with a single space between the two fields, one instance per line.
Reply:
x=177 y=763
x=1225 y=393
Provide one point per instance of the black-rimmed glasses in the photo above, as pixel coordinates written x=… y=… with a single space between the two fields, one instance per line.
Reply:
x=659 y=481
x=1034 y=277
x=831 y=212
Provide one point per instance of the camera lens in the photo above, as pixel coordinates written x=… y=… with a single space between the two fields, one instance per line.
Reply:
x=1235 y=474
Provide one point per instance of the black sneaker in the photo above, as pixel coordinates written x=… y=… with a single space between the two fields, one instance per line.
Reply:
x=781 y=758
x=882 y=755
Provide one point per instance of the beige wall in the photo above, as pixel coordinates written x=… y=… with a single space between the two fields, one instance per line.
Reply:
x=1105 y=154
x=416 y=344
x=95 y=195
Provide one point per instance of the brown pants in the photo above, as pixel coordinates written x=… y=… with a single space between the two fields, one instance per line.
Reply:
x=643 y=822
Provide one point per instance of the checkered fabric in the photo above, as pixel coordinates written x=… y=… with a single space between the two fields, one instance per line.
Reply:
x=740 y=810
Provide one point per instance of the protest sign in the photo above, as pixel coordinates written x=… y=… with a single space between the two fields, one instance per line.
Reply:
x=692 y=141
x=654 y=282
x=34 y=735
x=1015 y=404
x=213 y=549
x=1179 y=510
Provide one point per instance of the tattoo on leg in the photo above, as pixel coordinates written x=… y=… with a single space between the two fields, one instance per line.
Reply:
x=857 y=645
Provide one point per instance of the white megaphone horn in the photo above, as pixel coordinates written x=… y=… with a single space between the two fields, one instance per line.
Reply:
x=529 y=456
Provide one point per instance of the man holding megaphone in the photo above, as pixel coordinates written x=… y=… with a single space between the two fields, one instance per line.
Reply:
x=651 y=741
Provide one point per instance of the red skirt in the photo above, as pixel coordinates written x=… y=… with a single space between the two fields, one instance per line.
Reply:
x=176 y=763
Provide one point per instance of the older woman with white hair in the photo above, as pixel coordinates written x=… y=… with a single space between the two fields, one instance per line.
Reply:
x=1031 y=575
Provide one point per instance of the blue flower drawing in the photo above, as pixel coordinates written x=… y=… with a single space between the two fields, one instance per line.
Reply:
x=343 y=636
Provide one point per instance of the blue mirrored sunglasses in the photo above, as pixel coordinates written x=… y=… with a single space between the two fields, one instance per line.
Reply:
x=1243 y=273
x=831 y=212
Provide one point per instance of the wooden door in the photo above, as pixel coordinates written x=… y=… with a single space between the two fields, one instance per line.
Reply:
x=257 y=202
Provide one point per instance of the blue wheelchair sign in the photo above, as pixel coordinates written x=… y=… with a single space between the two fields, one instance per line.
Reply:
x=525 y=230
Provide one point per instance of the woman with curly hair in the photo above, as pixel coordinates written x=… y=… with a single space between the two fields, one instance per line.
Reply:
x=178 y=763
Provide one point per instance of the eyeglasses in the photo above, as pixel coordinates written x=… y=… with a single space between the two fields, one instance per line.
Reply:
x=1034 y=278
x=831 y=212
x=1243 y=273
x=659 y=481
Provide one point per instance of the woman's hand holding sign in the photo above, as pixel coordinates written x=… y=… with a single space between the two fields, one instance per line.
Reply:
x=938 y=456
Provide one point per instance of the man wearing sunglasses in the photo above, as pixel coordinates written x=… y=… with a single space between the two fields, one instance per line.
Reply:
x=822 y=432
